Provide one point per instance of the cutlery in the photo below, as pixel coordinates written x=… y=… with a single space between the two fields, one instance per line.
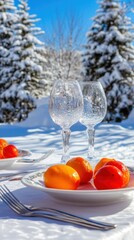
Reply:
x=15 y=176
x=23 y=210
x=44 y=156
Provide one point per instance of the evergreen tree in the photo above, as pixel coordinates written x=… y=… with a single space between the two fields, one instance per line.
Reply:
x=31 y=49
x=25 y=80
x=109 y=58
x=7 y=19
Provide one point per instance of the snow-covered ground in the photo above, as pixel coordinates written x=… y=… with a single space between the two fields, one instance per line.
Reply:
x=38 y=133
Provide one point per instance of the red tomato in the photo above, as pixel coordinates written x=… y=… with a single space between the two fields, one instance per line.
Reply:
x=124 y=170
x=108 y=177
x=10 y=151
x=101 y=163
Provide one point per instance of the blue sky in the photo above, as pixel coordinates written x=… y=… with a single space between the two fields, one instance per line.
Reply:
x=47 y=10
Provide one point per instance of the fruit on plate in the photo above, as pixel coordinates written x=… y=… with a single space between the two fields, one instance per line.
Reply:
x=101 y=163
x=7 y=150
x=10 y=151
x=1 y=153
x=83 y=168
x=77 y=172
x=61 y=176
x=125 y=171
x=108 y=177
x=3 y=143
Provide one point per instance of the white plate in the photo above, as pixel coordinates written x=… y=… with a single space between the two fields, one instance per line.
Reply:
x=7 y=162
x=86 y=195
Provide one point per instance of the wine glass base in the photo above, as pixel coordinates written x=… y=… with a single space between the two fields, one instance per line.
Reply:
x=65 y=158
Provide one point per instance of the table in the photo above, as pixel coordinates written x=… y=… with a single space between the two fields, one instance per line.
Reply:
x=15 y=227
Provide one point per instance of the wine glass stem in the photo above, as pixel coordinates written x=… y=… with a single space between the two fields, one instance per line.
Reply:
x=91 y=135
x=65 y=137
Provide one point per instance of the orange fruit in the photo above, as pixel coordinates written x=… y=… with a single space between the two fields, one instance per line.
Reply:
x=1 y=153
x=83 y=167
x=101 y=163
x=108 y=177
x=10 y=151
x=3 y=143
x=124 y=170
x=61 y=176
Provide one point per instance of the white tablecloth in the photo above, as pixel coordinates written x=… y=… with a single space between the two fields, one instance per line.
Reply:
x=15 y=227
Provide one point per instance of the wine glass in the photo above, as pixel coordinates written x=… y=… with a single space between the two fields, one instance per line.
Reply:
x=94 y=111
x=65 y=108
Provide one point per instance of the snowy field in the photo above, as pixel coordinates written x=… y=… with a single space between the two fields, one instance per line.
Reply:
x=39 y=133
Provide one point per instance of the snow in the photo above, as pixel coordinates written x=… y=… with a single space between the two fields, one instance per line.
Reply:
x=109 y=56
x=38 y=133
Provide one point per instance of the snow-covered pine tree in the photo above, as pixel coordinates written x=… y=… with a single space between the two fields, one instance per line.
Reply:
x=6 y=21
x=109 y=58
x=25 y=82
x=31 y=49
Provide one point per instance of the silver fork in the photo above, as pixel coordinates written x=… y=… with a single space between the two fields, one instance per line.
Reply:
x=44 y=156
x=51 y=213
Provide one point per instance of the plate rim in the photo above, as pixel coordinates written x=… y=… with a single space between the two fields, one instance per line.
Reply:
x=77 y=191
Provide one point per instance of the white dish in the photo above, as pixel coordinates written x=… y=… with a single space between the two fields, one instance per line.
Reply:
x=85 y=195
x=7 y=162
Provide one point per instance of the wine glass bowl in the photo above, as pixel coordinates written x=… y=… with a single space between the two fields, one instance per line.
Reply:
x=65 y=109
x=94 y=110
x=65 y=103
